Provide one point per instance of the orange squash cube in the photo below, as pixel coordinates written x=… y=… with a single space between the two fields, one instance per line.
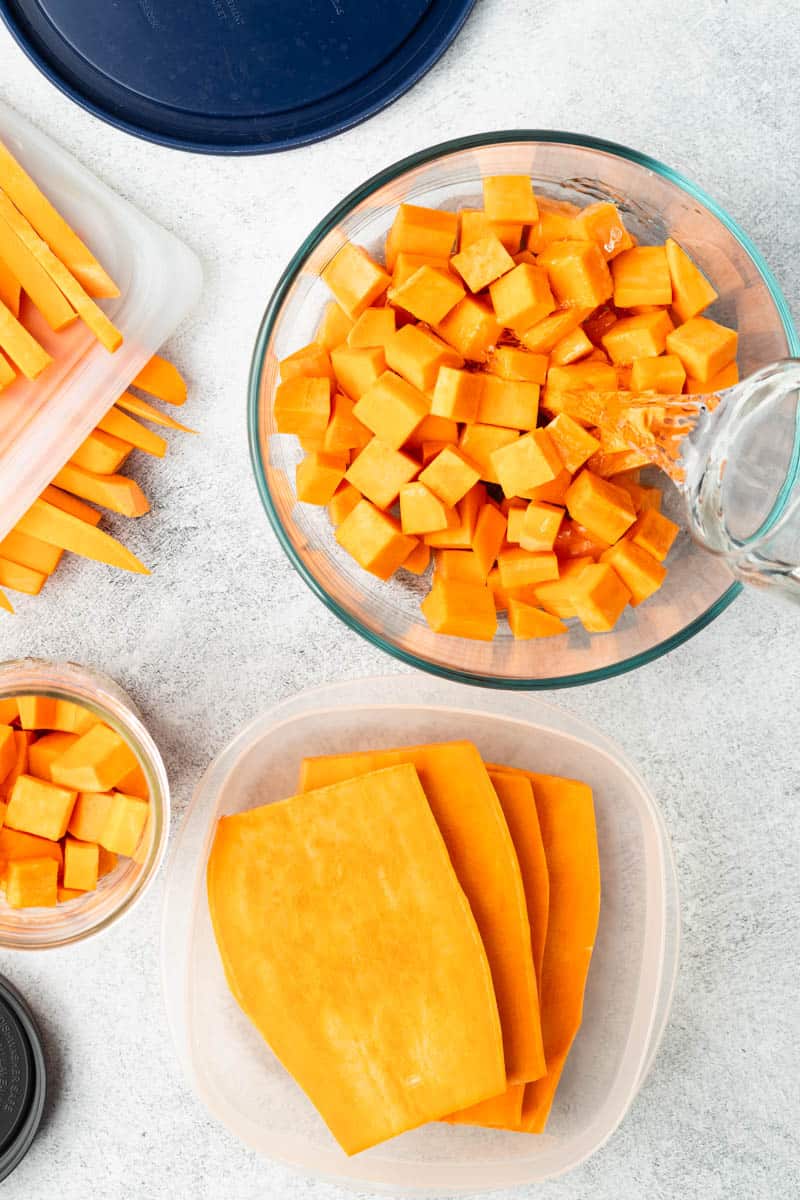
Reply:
x=423 y=512
x=318 y=476
x=664 y=375
x=527 y=463
x=510 y=198
x=509 y=362
x=418 y=560
x=36 y=712
x=522 y=297
x=515 y=516
x=602 y=224
x=540 y=525
x=429 y=294
x=554 y=224
x=578 y=377
x=456 y=394
x=44 y=751
x=419 y=230
x=571 y=348
x=542 y=337
x=703 y=346
x=508 y=402
x=379 y=472
x=124 y=824
x=303 y=406
x=557 y=597
x=600 y=597
x=417 y=354
x=725 y=378
x=450 y=475
x=490 y=533
x=96 y=762
x=312 y=361
x=483 y=261
x=334 y=326
x=639 y=571
x=89 y=815
x=392 y=408
x=519 y=568
x=373 y=328
x=81 y=861
x=72 y=718
x=571 y=440
x=639 y=336
x=691 y=291
x=460 y=609
x=355 y=279
x=8 y=751
x=526 y=621
x=32 y=883
x=475 y=225
x=479 y=443
x=41 y=808
x=9 y=710
x=460 y=564
x=462 y=535
x=641 y=276
x=433 y=429
x=406 y=265
x=343 y=501
x=654 y=533
x=578 y=273
x=374 y=539
x=344 y=432
x=357 y=368
x=602 y=507
x=471 y=328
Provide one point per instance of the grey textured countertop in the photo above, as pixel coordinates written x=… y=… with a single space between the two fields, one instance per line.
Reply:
x=225 y=627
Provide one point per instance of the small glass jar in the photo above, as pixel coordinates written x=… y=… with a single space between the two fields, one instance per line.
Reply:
x=119 y=891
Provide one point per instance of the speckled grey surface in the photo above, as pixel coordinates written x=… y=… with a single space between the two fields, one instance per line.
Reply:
x=225 y=627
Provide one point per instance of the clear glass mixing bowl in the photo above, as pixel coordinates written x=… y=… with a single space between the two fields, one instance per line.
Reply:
x=657 y=202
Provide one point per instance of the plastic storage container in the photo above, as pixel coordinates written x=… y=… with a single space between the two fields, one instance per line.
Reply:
x=43 y=423
x=630 y=982
x=118 y=892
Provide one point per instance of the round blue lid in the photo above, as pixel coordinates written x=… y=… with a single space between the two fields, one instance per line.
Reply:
x=234 y=76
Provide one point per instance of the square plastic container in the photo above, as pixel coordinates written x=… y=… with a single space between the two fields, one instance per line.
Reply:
x=43 y=423
x=630 y=982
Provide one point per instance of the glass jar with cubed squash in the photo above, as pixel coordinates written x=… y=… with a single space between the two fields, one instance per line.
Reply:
x=83 y=804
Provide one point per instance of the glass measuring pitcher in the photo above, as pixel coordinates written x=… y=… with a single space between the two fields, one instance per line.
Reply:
x=737 y=456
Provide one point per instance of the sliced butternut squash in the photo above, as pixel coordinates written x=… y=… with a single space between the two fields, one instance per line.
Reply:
x=120 y=425
x=115 y=492
x=161 y=379
x=18 y=259
x=140 y=408
x=59 y=528
x=51 y=226
x=470 y=817
x=358 y=873
x=20 y=346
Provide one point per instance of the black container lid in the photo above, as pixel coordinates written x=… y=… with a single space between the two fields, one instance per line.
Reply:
x=22 y=1078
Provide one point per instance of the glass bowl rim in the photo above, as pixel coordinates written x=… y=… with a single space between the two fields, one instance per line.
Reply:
x=323 y=228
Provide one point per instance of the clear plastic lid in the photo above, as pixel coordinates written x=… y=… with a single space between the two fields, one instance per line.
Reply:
x=43 y=423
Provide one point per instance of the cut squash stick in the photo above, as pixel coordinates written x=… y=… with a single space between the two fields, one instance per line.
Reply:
x=9 y=289
x=519 y=809
x=357 y=874
x=569 y=835
x=102 y=453
x=20 y=346
x=33 y=279
x=161 y=379
x=117 y=493
x=72 y=505
x=469 y=815
x=140 y=408
x=50 y=225
x=59 y=528
x=7 y=372
x=89 y=312
x=21 y=579
x=120 y=425
x=30 y=552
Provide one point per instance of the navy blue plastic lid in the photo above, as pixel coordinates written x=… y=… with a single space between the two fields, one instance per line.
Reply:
x=23 y=1081
x=234 y=76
